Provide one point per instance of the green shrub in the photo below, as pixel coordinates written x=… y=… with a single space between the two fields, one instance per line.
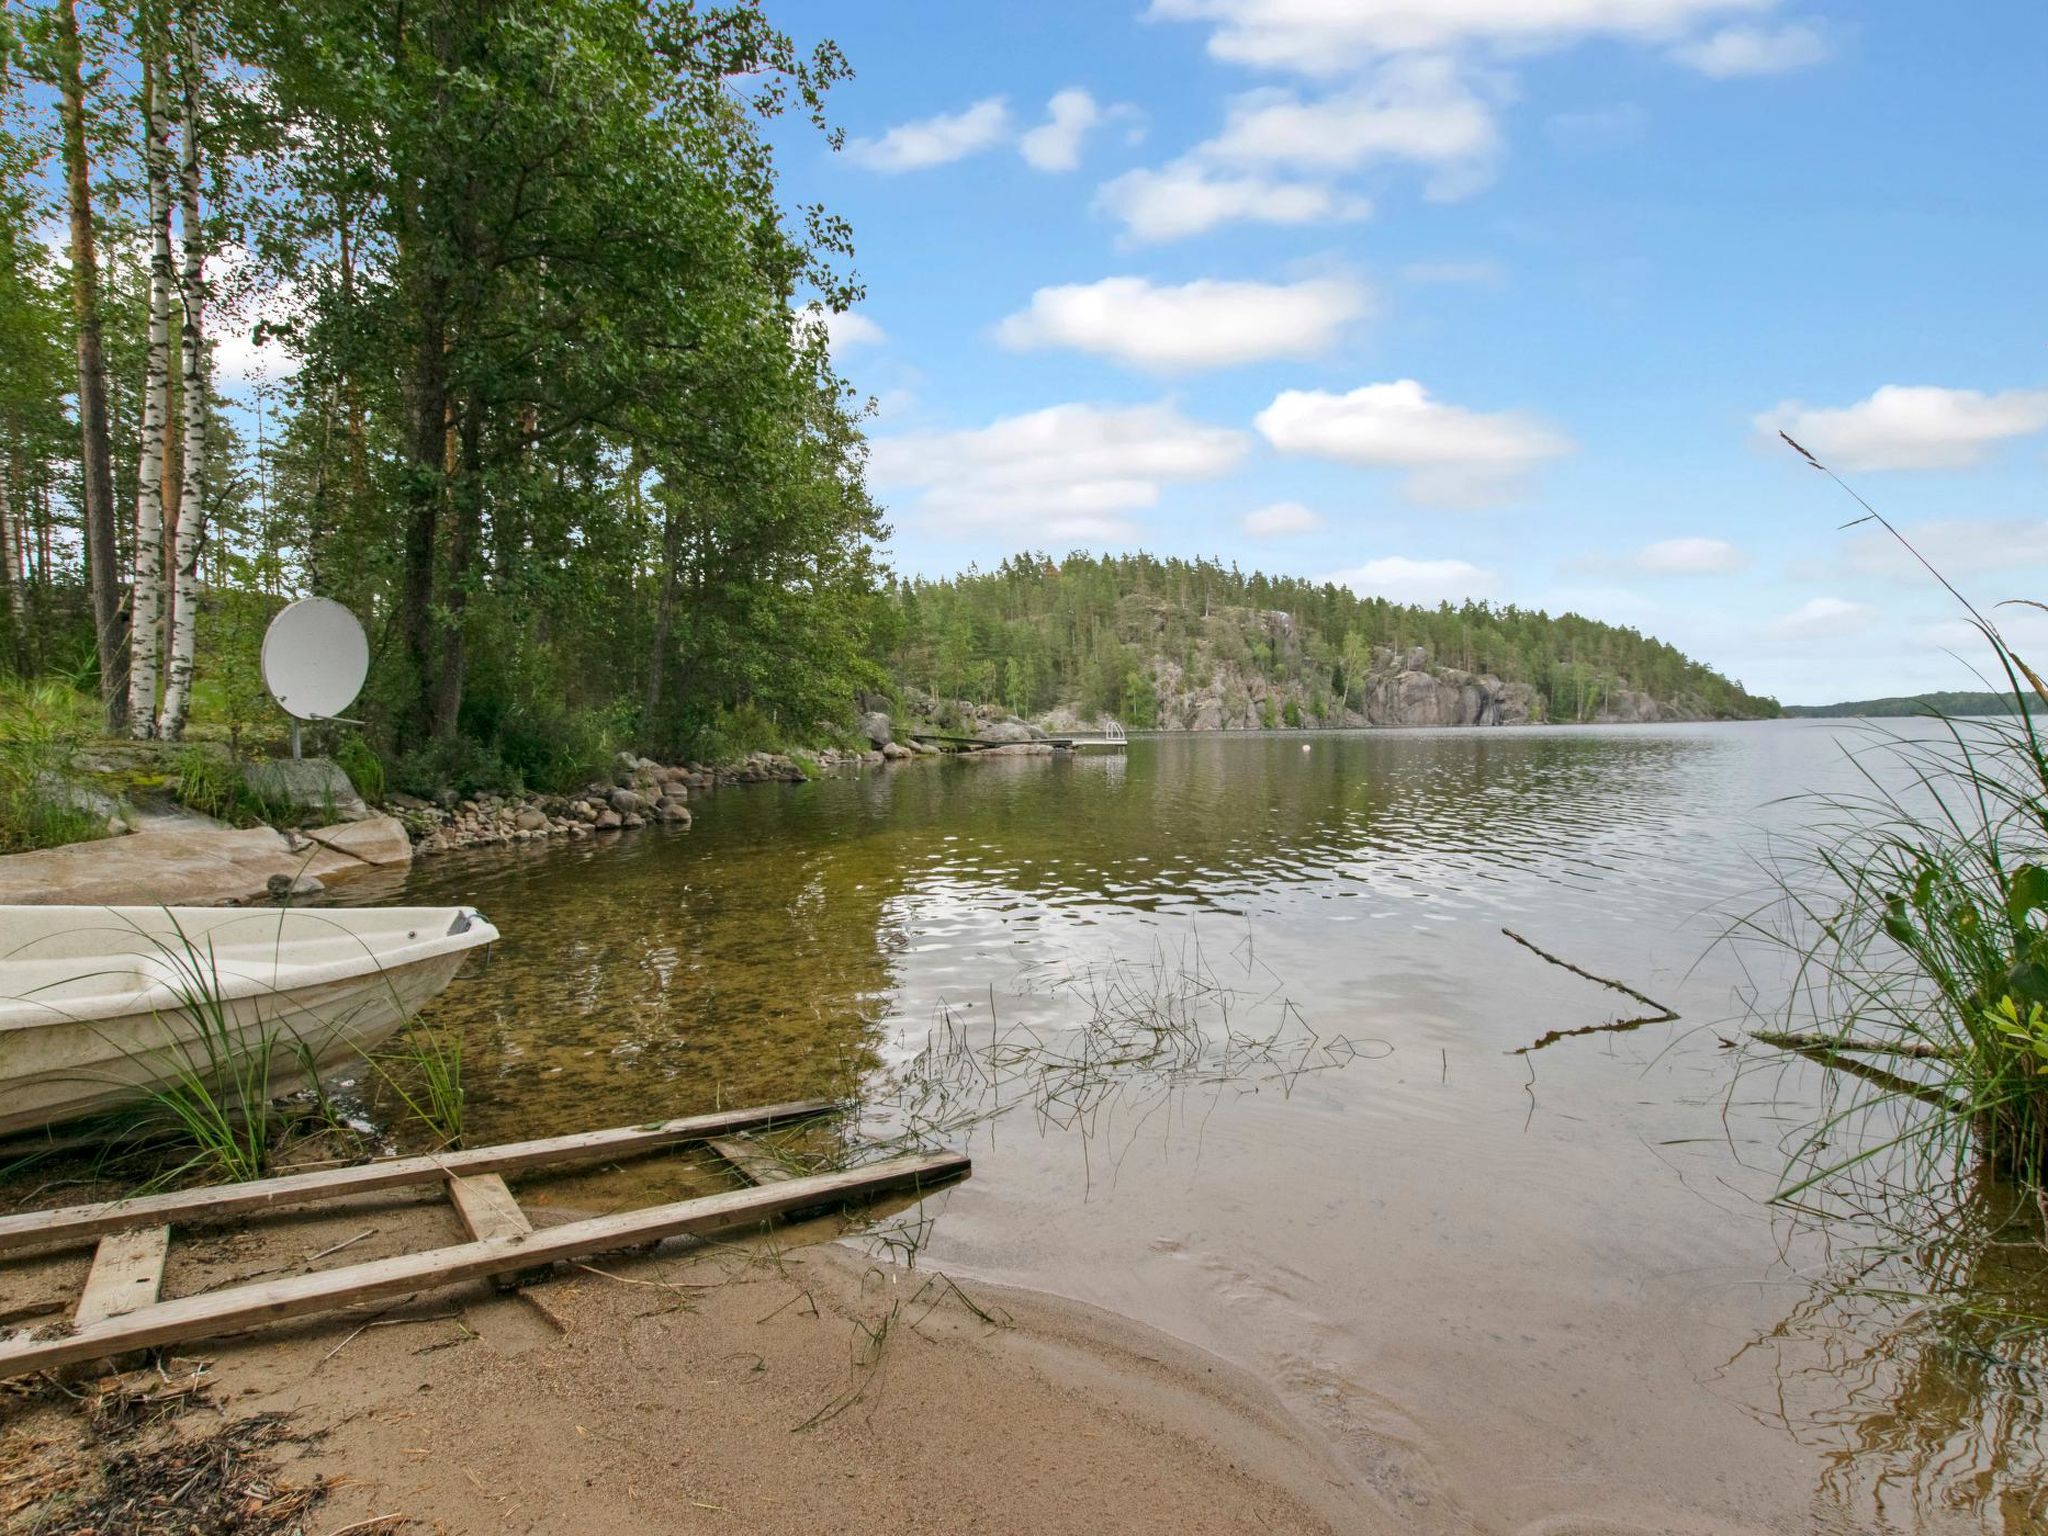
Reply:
x=736 y=732
x=359 y=760
x=455 y=766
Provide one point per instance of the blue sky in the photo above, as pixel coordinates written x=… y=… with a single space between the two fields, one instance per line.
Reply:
x=1449 y=297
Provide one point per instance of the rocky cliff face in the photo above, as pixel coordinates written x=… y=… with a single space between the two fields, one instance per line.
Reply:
x=1399 y=690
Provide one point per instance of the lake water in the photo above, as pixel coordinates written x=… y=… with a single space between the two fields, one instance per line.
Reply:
x=1250 y=1015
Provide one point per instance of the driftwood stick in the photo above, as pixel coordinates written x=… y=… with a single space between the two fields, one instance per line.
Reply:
x=1830 y=1043
x=1664 y=1014
x=1827 y=1056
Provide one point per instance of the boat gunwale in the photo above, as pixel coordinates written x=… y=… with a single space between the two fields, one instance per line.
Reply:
x=229 y=982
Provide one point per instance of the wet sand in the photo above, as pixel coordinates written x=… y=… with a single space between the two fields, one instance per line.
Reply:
x=781 y=1384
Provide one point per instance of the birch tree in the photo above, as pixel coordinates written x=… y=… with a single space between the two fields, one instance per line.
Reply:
x=11 y=562
x=148 y=607
x=96 y=452
x=194 y=390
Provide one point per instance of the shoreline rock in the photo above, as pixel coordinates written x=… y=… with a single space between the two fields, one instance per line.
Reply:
x=199 y=864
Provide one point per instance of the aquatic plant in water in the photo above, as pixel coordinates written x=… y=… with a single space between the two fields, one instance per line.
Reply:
x=1917 y=912
x=1132 y=1038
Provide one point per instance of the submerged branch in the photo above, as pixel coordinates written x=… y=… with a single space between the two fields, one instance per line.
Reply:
x=1829 y=1043
x=1665 y=1013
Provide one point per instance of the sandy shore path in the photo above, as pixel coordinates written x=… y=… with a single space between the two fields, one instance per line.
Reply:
x=775 y=1385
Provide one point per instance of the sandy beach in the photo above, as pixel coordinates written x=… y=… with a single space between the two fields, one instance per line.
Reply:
x=786 y=1382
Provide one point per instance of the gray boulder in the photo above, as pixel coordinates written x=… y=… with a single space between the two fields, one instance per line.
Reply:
x=626 y=802
x=877 y=727
x=1007 y=732
x=306 y=784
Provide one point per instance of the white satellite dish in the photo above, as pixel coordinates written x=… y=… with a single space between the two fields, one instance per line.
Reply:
x=315 y=657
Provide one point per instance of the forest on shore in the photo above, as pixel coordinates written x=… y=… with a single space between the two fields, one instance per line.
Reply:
x=1092 y=633
x=1950 y=703
x=548 y=404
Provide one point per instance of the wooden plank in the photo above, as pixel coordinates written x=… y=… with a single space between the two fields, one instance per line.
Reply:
x=127 y=1273
x=757 y=1165
x=486 y=1206
x=74 y=1223
x=218 y=1312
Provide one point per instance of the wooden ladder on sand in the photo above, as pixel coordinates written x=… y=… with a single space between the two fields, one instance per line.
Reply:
x=120 y=1308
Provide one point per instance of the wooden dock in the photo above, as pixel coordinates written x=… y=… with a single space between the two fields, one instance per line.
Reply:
x=121 y=1309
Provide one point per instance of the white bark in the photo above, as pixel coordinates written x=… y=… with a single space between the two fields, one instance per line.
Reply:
x=147 y=635
x=192 y=287
x=11 y=552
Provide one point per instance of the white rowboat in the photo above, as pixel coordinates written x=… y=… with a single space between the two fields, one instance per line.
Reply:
x=101 y=1005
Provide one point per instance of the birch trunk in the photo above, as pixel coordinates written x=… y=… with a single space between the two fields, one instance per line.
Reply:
x=11 y=552
x=148 y=617
x=192 y=477
x=96 y=456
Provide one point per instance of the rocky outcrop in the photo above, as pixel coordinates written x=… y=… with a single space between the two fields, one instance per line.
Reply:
x=877 y=728
x=1407 y=691
x=1009 y=731
x=196 y=864
x=305 y=784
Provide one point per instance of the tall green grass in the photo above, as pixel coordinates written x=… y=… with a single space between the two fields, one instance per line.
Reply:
x=1917 y=911
x=41 y=725
x=424 y=1069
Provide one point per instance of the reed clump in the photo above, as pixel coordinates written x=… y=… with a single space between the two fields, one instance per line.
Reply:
x=1918 y=914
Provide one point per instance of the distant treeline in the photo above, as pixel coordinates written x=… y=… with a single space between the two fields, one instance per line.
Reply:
x=1035 y=634
x=1917 y=704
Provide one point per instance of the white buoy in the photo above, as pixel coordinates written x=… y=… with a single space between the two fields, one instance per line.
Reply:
x=1306 y=747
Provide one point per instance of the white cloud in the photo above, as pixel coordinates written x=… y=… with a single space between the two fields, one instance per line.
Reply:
x=1452 y=456
x=1691 y=557
x=1283 y=519
x=850 y=328
x=1069 y=471
x=1911 y=427
x=1071 y=115
x=1959 y=546
x=1421 y=110
x=1325 y=36
x=1737 y=51
x=247 y=301
x=843 y=331
x=1186 y=198
x=1205 y=324
x=1823 y=618
x=935 y=140
x=1428 y=582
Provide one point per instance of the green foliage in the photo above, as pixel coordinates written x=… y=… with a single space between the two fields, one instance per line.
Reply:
x=359 y=760
x=736 y=731
x=220 y=1094
x=1918 y=915
x=1141 y=702
x=453 y=767
x=211 y=782
x=424 y=1070
x=41 y=724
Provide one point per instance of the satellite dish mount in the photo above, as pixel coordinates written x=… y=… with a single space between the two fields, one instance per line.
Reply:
x=315 y=657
